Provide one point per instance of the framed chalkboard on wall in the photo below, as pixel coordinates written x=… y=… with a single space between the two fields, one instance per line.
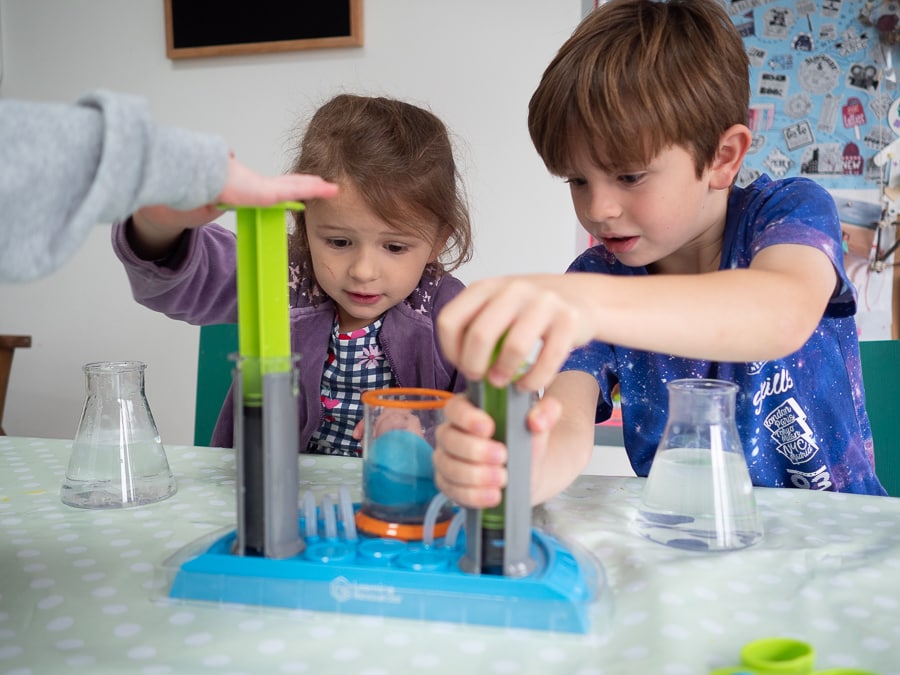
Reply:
x=199 y=28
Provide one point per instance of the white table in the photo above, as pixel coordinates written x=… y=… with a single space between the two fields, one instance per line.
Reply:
x=77 y=587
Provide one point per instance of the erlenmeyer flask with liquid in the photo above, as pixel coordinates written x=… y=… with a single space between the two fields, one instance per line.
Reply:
x=117 y=458
x=698 y=494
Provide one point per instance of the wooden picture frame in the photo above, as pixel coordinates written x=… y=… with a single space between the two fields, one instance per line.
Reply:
x=202 y=28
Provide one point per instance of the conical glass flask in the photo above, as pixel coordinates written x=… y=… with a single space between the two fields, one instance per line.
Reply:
x=117 y=458
x=698 y=494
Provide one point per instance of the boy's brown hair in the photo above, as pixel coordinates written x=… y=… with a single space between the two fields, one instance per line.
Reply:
x=399 y=157
x=638 y=76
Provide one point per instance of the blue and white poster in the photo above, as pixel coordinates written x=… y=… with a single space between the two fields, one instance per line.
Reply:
x=823 y=87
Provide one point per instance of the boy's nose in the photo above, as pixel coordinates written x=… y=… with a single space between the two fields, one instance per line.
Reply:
x=603 y=205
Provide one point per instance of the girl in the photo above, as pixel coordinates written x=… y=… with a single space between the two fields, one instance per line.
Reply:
x=369 y=266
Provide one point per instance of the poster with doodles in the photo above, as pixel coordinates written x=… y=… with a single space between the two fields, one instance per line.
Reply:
x=822 y=85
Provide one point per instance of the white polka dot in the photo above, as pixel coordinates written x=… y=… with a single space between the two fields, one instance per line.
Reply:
x=876 y=644
x=142 y=652
x=28 y=553
x=104 y=592
x=181 y=618
x=9 y=651
x=141 y=567
x=712 y=626
x=552 y=655
x=678 y=669
x=635 y=653
x=43 y=582
x=505 y=666
x=321 y=632
x=81 y=660
x=825 y=624
x=76 y=549
x=60 y=623
x=251 y=625
x=671 y=599
x=126 y=630
x=113 y=610
x=217 y=660
x=676 y=632
x=72 y=643
x=197 y=639
x=84 y=562
x=746 y=617
x=93 y=576
x=270 y=646
x=472 y=646
x=634 y=618
x=50 y=602
x=857 y=612
x=397 y=639
x=347 y=653
x=425 y=661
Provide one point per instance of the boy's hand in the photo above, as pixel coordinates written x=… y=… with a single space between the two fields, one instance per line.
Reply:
x=527 y=311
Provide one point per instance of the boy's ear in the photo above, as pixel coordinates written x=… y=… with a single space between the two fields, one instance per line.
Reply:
x=733 y=145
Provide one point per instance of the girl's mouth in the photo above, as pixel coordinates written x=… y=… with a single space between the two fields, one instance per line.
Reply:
x=364 y=298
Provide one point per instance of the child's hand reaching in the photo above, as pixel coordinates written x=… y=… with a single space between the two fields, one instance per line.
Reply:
x=525 y=311
x=156 y=228
x=470 y=467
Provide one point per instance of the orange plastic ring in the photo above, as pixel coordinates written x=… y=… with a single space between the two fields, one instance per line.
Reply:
x=405 y=531
x=386 y=397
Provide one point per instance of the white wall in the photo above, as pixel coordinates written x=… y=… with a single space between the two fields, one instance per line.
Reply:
x=474 y=63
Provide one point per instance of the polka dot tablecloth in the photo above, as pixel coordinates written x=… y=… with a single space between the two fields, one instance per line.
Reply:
x=80 y=589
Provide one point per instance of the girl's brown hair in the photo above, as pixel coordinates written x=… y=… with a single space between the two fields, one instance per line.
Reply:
x=638 y=76
x=399 y=157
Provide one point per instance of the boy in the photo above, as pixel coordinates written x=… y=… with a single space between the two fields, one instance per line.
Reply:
x=643 y=112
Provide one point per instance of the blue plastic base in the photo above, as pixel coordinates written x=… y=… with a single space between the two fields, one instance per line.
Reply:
x=388 y=577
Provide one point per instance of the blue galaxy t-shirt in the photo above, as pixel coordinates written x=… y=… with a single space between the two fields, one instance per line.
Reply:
x=802 y=419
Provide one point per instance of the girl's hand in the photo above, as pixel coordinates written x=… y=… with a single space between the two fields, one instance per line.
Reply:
x=469 y=466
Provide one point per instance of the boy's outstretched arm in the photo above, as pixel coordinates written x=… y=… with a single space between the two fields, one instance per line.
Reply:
x=766 y=311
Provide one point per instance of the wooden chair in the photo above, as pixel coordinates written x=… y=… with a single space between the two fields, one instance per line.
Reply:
x=8 y=345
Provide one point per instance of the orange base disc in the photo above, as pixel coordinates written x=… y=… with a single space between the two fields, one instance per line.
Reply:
x=405 y=531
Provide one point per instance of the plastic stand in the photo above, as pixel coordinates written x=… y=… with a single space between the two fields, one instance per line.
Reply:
x=343 y=573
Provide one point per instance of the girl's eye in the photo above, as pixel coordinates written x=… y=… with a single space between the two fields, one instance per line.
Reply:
x=338 y=243
x=396 y=248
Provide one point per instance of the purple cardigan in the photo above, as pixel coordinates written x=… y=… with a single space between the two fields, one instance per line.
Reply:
x=197 y=284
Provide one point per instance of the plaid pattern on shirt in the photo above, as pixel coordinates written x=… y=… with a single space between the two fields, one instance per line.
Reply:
x=355 y=364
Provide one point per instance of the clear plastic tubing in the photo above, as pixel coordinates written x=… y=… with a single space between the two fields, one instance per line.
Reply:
x=455 y=526
x=312 y=518
x=345 y=506
x=329 y=517
x=431 y=514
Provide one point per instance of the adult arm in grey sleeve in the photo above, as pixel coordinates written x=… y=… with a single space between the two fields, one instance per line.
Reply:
x=68 y=167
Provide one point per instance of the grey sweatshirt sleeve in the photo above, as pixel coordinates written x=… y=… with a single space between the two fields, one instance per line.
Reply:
x=66 y=168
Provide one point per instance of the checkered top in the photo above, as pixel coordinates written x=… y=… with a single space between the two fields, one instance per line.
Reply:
x=355 y=364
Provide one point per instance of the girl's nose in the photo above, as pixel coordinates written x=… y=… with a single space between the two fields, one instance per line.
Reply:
x=363 y=267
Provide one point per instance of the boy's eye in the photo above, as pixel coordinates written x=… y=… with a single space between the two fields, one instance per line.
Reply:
x=630 y=178
x=575 y=182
